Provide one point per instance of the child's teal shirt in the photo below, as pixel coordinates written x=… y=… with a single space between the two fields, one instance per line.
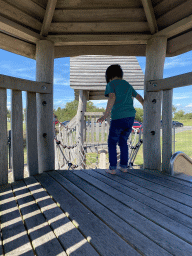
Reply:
x=123 y=106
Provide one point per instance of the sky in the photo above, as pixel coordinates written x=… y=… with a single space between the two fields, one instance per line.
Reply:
x=18 y=66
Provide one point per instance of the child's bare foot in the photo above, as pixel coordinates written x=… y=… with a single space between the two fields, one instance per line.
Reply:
x=110 y=171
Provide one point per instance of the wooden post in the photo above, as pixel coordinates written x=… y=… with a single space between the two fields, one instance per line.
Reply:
x=167 y=130
x=45 y=134
x=80 y=126
x=102 y=159
x=31 y=128
x=17 y=135
x=155 y=57
x=3 y=138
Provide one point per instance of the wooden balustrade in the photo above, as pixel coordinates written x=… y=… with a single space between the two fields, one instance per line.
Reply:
x=17 y=86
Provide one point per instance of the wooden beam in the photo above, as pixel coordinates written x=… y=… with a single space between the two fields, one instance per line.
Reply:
x=178 y=27
x=61 y=40
x=17 y=46
x=115 y=50
x=148 y=8
x=9 y=82
x=169 y=83
x=18 y=31
x=99 y=27
x=176 y=44
x=48 y=17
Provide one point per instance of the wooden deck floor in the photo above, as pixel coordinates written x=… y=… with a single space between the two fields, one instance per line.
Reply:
x=93 y=213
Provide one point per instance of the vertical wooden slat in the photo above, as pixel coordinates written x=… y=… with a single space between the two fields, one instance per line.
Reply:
x=97 y=132
x=3 y=137
x=31 y=128
x=103 y=131
x=17 y=135
x=167 y=130
x=92 y=129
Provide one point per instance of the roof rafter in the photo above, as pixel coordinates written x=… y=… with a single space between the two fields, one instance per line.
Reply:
x=48 y=17
x=150 y=15
x=176 y=28
x=18 y=31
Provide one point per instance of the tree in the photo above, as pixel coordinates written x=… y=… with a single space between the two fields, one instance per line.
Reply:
x=139 y=114
x=179 y=114
x=174 y=109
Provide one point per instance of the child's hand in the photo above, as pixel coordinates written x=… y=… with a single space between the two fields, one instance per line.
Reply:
x=101 y=119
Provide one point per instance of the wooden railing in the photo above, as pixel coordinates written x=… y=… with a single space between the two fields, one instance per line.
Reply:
x=17 y=86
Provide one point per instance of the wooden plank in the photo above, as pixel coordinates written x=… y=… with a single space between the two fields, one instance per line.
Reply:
x=17 y=46
x=135 y=184
x=74 y=4
x=17 y=135
x=99 y=15
x=167 y=130
x=43 y=239
x=17 y=15
x=176 y=28
x=116 y=50
x=60 y=40
x=92 y=128
x=29 y=7
x=170 y=82
x=31 y=128
x=15 y=238
x=92 y=227
x=3 y=138
x=161 y=180
x=171 y=213
x=89 y=195
x=162 y=190
x=50 y=9
x=9 y=82
x=154 y=220
x=177 y=44
x=68 y=235
x=99 y=27
x=162 y=7
x=18 y=31
x=175 y=14
x=149 y=12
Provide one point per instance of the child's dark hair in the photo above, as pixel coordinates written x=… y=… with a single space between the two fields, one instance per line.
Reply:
x=113 y=71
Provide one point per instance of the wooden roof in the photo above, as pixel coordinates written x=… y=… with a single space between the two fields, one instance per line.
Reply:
x=92 y=27
x=88 y=73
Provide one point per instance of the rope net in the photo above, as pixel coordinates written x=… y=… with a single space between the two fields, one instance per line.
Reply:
x=71 y=151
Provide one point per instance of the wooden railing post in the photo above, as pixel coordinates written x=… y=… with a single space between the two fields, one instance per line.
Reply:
x=17 y=135
x=45 y=134
x=167 y=130
x=155 y=57
x=3 y=137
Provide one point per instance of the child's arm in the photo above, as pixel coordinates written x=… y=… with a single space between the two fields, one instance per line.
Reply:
x=110 y=104
x=140 y=99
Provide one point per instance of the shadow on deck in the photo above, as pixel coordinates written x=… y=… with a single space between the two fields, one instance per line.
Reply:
x=92 y=213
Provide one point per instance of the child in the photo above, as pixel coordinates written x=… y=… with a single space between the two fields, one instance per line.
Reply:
x=120 y=105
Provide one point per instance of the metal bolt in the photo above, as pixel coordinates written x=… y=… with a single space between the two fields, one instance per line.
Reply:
x=154 y=85
x=152 y=132
x=44 y=87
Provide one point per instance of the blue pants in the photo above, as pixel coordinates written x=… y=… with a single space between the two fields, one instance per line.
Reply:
x=119 y=132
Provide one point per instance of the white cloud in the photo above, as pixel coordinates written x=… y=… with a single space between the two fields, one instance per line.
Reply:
x=189 y=105
x=178 y=61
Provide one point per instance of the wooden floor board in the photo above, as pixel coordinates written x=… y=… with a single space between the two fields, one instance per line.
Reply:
x=88 y=195
x=147 y=225
x=163 y=209
x=68 y=235
x=92 y=227
x=150 y=193
x=14 y=234
x=43 y=239
x=157 y=179
x=90 y=212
